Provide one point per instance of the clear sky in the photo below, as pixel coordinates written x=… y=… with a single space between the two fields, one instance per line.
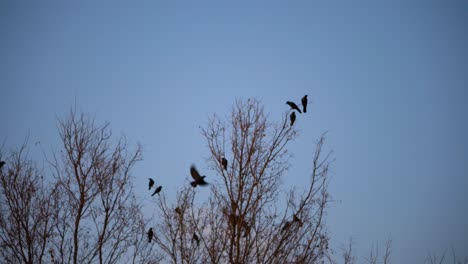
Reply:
x=387 y=80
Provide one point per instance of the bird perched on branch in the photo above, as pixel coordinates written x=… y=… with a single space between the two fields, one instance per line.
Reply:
x=150 y=184
x=178 y=211
x=304 y=103
x=150 y=234
x=198 y=180
x=196 y=238
x=224 y=162
x=157 y=190
x=292 y=117
x=293 y=106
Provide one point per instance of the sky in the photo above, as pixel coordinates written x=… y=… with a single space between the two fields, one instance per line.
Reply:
x=388 y=81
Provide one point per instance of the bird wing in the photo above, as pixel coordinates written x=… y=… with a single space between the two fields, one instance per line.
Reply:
x=195 y=175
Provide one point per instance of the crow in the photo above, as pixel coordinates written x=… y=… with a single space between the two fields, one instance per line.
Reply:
x=293 y=106
x=178 y=211
x=224 y=162
x=150 y=234
x=297 y=219
x=286 y=226
x=1 y=164
x=150 y=184
x=292 y=117
x=195 y=237
x=157 y=190
x=198 y=180
x=304 y=103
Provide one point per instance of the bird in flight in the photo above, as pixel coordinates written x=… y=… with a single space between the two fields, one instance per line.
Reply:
x=224 y=162
x=198 y=180
x=292 y=117
x=157 y=190
x=304 y=103
x=293 y=106
x=150 y=234
x=150 y=184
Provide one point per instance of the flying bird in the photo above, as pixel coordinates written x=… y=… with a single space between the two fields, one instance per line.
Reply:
x=198 y=180
x=224 y=162
x=150 y=234
x=293 y=106
x=292 y=117
x=150 y=184
x=157 y=190
x=304 y=103
x=1 y=164
x=196 y=238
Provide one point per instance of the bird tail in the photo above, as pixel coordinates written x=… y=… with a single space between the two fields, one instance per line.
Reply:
x=305 y=108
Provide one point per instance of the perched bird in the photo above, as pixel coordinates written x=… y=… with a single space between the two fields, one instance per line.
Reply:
x=224 y=162
x=304 y=103
x=286 y=226
x=150 y=184
x=292 y=117
x=195 y=237
x=157 y=190
x=150 y=234
x=1 y=164
x=297 y=219
x=198 y=180
x=293 y=106
x=178 y=211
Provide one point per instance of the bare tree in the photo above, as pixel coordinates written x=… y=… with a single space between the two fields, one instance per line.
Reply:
x=249 y=217
x=98 y=218
x=26 y=220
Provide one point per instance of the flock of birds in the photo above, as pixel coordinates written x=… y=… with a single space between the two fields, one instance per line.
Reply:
x=292 y=116
x=199 y=180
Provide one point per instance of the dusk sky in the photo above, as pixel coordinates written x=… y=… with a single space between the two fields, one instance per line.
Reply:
x=388 y=81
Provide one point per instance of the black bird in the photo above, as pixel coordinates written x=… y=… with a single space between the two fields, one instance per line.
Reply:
x=150 y=184
x=178 y=211
x=304 y=103
x=293 y=106
x=198 y=180
x=224 y=162
x=292 y=117
x=195 y=237
x=150 y=234
x=157 y=190
x=1 y=164
x=297 y=219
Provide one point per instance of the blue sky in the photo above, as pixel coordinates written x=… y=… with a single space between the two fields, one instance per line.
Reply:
x=387 y=80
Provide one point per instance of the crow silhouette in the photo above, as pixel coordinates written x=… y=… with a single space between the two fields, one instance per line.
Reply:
x=293 y=106
x=292 y=117
x=157 y=190
x=178 y=211
x=198 y=180
x=195 y=237
x=304 y=103
x=150 y=234
x=224 y=162
x=1 y=164
x=297 y=219
x=150 y=184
